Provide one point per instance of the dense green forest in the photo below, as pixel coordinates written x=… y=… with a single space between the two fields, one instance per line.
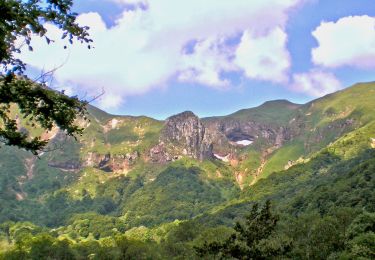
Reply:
x=311 y=196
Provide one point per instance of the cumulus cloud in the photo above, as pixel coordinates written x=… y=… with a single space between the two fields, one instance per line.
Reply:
x=316 y=83
x=205 y=63
x=264 y=57
x=110 y=101
x=349 y=41
x=163 y=40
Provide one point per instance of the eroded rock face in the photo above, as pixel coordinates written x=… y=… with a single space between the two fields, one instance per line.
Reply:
x=159 y=154
x=183 y=134
x=228 y=135
x=111 y=163
x=71 y=165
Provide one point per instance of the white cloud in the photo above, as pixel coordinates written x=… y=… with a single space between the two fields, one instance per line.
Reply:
x=316 y=83
x=110 y=101
x=206 y=62
x=147 y=46
x=349 y=41
x=264 y=57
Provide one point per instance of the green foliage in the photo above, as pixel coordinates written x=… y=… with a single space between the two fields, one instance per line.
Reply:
x=45 y=107
x=47 y=246
x=248 y=241
x=178 y=192
x=363 y=223
x=272 y=112
x=119 y=135
x=151 y=211
x=99 y=226
x=314 y=236
x=42 y=106
x=290 y=152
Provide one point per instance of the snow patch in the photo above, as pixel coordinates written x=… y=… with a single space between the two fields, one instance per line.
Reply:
x=244 y=142
x=223 y=158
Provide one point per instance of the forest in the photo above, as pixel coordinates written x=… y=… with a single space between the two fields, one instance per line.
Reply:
x=280 y=180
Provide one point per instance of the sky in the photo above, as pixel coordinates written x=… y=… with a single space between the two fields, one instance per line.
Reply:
x=212 y=57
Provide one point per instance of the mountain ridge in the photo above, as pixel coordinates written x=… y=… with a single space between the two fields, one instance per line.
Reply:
x=154 y=182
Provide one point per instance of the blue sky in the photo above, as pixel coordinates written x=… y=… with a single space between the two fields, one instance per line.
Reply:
x=158 y=57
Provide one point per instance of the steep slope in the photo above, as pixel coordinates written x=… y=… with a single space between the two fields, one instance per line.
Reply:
x=308 y=128
x=246 y=138
x=182 y=135
x=340 y=175
x=178 y=192
x=156 y=189
x=116 y=164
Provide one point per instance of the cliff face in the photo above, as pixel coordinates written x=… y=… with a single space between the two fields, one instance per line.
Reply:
x=183 y=134
x=251 y=143
x=247 y=138
x=229 y=134
x=111 y=163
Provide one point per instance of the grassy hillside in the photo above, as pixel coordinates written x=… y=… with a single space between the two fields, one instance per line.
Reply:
x=119 y=134
x=321 y=182
x=323 y=121
x=274 y=112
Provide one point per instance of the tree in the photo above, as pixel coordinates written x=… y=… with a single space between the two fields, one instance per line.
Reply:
x=251 y=240
x=5 y=228
x=39 y=105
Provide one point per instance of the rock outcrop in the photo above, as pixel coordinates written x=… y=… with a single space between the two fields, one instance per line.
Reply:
x=229 y=135
x=186 y=135
x=183 y=134
x=70 y=165
x=111 y=163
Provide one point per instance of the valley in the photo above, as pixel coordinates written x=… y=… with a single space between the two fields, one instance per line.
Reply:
x=158 y=189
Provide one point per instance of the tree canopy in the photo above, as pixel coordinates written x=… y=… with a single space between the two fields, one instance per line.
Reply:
x=251 y=240
x=38 y=104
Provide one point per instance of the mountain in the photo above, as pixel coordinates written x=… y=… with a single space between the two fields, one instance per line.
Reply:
x=149 y=179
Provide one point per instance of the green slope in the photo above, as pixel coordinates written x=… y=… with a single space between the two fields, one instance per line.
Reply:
x=274 y=112
x=323 y=121
x=331 y=170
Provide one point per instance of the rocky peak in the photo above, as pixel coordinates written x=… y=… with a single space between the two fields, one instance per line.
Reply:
x=184 y=127
x=183 y=134
x=181 y=116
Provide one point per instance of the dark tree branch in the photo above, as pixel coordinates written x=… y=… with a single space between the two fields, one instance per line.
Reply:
x=43 y=107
